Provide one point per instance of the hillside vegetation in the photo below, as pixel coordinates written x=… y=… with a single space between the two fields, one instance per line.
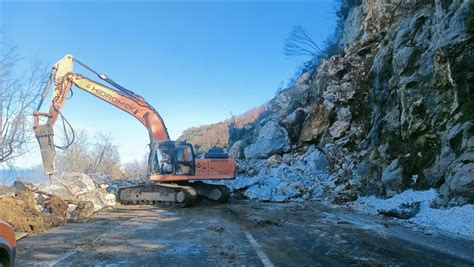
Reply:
x=217 y=134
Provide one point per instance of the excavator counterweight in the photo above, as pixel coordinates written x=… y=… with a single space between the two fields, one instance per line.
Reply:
x=174 y=172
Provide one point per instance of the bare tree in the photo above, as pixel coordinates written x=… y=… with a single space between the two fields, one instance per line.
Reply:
x=18 y=95
x=97 y=154
x=300 y=43
x=136 y=169
x=76 y=157
x=106 y=155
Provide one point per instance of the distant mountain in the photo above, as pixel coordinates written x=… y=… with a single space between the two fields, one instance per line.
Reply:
x=207 y=136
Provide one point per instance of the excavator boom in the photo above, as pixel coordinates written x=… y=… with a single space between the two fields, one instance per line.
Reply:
x=135 y=105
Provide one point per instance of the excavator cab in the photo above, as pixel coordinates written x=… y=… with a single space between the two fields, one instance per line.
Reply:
x=173 y=158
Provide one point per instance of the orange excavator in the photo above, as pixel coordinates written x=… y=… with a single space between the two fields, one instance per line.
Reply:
x=7 y=245
x=176 y=175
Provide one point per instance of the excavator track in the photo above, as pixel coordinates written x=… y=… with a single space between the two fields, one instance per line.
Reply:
x=158 y=194
x=215 y=193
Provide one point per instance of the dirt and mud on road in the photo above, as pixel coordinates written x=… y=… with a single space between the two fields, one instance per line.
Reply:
x=21 y=210
x=243 y=233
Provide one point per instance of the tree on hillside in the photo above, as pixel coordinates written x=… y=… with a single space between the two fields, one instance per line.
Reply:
x=18 y=96
x=300 y=43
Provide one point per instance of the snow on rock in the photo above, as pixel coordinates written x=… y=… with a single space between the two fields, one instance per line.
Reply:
x=416 y=207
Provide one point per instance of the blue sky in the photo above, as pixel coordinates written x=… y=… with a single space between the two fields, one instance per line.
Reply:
x=195 y=62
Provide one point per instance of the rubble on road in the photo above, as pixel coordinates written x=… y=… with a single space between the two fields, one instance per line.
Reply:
x=286 y=178
x=72 y=196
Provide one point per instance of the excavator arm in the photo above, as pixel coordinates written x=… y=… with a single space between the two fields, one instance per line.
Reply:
x=64 y=78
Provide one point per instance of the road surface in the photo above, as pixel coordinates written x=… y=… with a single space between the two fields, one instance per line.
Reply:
x=242 y=233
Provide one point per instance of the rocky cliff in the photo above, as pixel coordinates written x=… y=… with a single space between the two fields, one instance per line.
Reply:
x=394 y=111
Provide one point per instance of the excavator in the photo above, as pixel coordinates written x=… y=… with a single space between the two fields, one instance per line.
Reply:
x=176 y=175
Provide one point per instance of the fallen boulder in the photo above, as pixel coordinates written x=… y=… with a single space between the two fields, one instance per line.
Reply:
x=272 y=139
x=99 y=197
x=404 y=211
x=75 y=183
x=236 y=151
x=84 y=209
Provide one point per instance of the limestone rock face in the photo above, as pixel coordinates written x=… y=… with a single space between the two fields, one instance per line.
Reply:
x=416 y=114
x=293 y=123
x=315 y=124
x=392 y=179
x=290 y=98
x=457 y=161
x=460 y=181
x=338 y=128
x=393 y=112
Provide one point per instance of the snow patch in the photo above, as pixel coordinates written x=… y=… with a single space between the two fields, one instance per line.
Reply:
x=458 y=220
x=375 y=205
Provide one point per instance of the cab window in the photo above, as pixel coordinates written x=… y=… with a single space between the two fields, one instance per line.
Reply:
x=184 y=153
x=184 y=160
x=164 y=161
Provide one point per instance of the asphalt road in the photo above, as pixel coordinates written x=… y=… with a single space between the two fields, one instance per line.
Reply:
x=242 y=233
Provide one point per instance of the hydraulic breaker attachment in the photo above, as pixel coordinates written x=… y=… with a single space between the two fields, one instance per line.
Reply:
x=45 y=136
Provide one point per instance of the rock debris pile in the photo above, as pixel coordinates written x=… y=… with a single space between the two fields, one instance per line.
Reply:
x=71 y=196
